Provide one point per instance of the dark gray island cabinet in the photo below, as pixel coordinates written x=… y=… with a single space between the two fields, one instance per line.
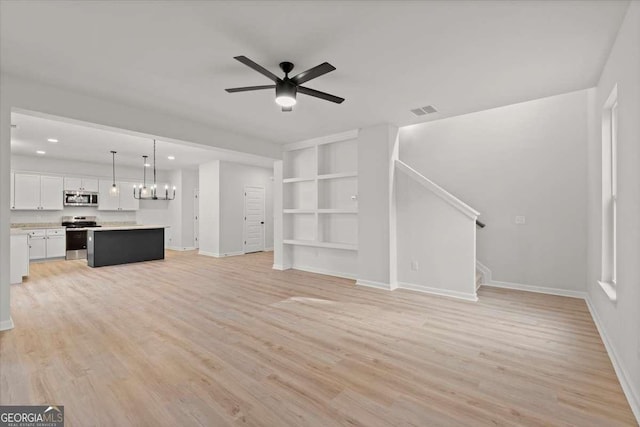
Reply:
x=123 y=245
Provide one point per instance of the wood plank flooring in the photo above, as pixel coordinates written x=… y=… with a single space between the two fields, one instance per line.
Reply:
x=194 y=340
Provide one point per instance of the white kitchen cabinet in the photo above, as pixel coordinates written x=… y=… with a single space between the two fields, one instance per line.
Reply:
x=27 y=191
x=51 y=193
x=38 y=249
x=81 y=184
x=19 y=254
x=123 y=202
x=37 y=192
x=47 y=243
x=56 y=246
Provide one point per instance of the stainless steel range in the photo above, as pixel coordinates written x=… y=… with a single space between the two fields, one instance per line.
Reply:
x=77 y=235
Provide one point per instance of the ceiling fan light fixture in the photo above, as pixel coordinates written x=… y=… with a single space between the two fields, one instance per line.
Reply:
x=286 y=93
x=285 y=101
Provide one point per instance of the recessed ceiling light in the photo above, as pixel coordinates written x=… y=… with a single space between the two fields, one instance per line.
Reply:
x=52 y=140
x=41 y=152
x=171 y=157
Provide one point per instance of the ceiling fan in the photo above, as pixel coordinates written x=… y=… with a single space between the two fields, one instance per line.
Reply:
x=287 y=87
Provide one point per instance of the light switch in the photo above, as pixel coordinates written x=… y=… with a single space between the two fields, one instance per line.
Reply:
x=520 y=219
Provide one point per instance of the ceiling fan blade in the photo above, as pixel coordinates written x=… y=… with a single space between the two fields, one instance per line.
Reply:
x=312 y=73
x=287 y=109
x=259 y=68
x=248 y=88
x=321 y=95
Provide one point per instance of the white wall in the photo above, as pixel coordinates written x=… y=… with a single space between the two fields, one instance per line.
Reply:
x=209 y=179
x=221 y=188
x=233 y=178
x=437 y=238
x=619 y=321
x=376 y=147
x=525 y=159
x=189 y=185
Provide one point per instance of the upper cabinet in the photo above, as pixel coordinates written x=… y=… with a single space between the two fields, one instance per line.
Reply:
x=37 y=192
x=81 y=184
x=124 y=201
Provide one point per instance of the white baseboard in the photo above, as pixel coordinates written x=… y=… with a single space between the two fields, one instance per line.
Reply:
x=207 y=253
x=268 y=249
x=223 y=255
x=632 y=393
x=437 y=291
x=373 y=284
x=280 y=267
x=485 y=271
x=6 y=324
x=323 y=271
x=538 y=289
x=177 y=248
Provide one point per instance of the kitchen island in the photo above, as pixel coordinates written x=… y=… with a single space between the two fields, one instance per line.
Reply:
x=124 y=244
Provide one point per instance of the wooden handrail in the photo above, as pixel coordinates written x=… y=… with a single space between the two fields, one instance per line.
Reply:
x=437 y=190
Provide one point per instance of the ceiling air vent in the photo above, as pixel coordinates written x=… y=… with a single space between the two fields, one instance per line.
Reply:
x=429 y=109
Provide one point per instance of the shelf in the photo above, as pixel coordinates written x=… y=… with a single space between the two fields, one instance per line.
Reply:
x=338 y=175
x=289 y=180
x=299 y=211
x=328 y=245
x=338 y=211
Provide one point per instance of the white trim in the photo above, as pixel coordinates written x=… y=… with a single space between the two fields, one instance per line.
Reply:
x=437 y=291
x=268 y=249
x=280 y=267
x=437 y=190
x=206 y=253
x=485 y=271
x=373 y=284
x=537 y=289
x=7 y=324
x=337 y=137
x=327 y=245
x=223 y=255
x=324 y=271
x=181 y=249
x=609 y=289
x=632 y=394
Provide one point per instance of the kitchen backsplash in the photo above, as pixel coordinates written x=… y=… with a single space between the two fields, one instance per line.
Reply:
x=56 y=216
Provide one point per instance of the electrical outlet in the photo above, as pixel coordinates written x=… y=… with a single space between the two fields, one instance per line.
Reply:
x=415 y=266
x=520 y=219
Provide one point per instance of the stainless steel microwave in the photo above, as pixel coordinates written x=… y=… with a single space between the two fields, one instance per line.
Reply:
x=80 y=198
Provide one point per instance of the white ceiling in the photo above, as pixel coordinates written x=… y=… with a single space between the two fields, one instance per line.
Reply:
x=91 y=144
x=177 y=56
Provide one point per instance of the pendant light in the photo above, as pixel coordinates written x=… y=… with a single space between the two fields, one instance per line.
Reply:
x=114 y=191
x=152 y=194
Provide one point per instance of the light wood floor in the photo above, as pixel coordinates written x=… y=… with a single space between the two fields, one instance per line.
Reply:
x=194 y=340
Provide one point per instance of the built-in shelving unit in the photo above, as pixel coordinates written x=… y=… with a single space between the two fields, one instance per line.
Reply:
x=320 y=194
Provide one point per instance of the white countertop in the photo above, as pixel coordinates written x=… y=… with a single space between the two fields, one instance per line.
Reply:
x=125 y=227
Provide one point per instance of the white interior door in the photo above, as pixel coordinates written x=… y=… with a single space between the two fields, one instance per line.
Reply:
x=196 y=214
x=253 y=219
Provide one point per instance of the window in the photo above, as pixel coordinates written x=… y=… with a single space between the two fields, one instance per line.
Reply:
x=609 y=194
